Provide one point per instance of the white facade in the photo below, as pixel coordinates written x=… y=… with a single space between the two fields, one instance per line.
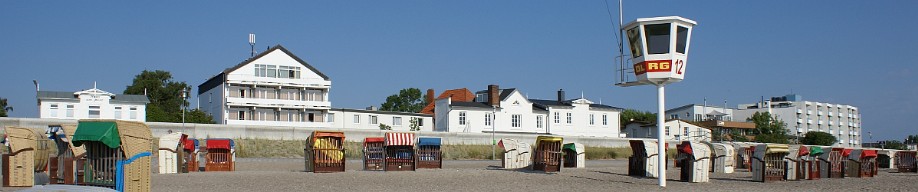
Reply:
x=693 y=112
x=842 y=121
x=517 y=114
x=92 y=104
x=274 y=88
x=371 y=119
x=674 y=130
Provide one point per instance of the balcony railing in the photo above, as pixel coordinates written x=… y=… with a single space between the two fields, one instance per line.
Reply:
x=277 y=103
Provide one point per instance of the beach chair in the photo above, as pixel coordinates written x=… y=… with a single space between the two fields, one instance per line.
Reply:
x=118 y=154
x=574 y=155
x=325 y=152
x=768 y=162
x=696 y=162
x=27 y=158
x=171 y=153
x=644 y=159
x=547 y=155
x=373 y=153
x=221 y=155
x=429 y=154
x=400 y=154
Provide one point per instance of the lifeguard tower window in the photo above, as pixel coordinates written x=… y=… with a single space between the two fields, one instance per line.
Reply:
x=681 y=37
x=634 y=40
x=657 y=38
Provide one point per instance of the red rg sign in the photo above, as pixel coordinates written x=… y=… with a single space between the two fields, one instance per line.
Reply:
x=653 y=66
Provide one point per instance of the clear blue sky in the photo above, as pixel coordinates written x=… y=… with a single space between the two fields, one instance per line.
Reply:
x=847 y=52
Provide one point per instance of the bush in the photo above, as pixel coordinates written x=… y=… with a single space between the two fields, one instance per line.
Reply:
x=818 y=138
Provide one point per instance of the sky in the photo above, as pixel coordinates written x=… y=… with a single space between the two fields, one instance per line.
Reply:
x=844 y=52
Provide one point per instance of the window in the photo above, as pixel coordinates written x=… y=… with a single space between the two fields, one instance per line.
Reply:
x=557 y=117
x=686 y=132
x=133 y=112
x=241 y=93
x=487 y=120
x=331 y=118
x=373 y=120
x=276 y=115
x=516 y=121
x=261 y=70
x=288 y=72
x=312 y=117
x=210 y=99
x=461 y=118
x=241 y=115
x=569 y=120
x=667 y=130
x=591 y=119
x=94 y=111
x=397 y=121
x=69 y=110
x=657 y=38
x=290 y=115
x=681 y=39
x=272 y=70
x=356 y=119
x=117 y=112
x=605 y=119
x=539 y=121
x=697 y=117
x=419 y=120
x=53 y=110
x=634 y=41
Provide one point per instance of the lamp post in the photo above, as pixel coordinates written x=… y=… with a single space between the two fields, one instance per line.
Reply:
x=184 y=97
x=37 y=102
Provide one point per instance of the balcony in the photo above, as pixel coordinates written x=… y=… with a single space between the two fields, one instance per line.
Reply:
x=830 y=123
x=809 y=121
x=799 y=121
x=820 y=122
x=271 y=81
x=279 y=123
x=833 y=132
x=799 y=111
x=809 y=112
x=819 y=113
x=830 y=114
x=277 y=103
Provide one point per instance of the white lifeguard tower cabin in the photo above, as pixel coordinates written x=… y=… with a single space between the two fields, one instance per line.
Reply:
x=659 y=49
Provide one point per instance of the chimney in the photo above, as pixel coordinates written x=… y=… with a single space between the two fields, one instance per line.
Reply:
x=371 y=108
x=430 y=95
x=493 y=95
x=560 y=95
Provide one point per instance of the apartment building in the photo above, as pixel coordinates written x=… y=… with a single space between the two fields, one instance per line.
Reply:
x=801 y=116
x=674 y=130
x=273 y=88
x=371 y=119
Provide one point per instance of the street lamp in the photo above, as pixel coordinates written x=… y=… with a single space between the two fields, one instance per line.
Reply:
x=184 y=97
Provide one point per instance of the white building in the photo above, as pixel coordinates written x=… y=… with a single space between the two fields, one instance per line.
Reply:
x=371 y=119
x=508 y=111
x=274 y=88
x=92 y=104
x=842 y=121
x=698 y=113
x=674 y=130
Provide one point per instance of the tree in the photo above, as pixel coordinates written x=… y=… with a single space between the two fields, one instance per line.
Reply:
x=4 y=107
x=384 y=127
x=631 y=115
x=407 y=100
x=818 y=138
x=911 y=139
x=769 y=128
x=198 y=116
x=893 y=144
x=165 y=97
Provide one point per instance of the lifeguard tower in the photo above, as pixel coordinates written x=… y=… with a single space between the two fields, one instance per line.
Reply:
x=659 y=50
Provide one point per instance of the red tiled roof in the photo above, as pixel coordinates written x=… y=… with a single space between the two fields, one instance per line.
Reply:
x=457 y=95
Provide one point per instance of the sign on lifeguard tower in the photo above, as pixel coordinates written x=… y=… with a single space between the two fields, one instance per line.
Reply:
x=659 y=49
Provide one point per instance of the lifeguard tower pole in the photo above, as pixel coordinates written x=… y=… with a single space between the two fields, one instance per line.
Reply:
x=659 y=49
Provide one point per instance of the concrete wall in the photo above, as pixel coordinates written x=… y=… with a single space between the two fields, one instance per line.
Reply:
x=293 y=133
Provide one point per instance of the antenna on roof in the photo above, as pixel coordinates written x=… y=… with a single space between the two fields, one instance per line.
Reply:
x=252 y=43
x=94 y=85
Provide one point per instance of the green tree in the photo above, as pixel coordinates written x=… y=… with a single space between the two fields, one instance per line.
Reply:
x=769 y=128
x=631 y=115
x=818 y=138
x=893 y=144
x=198 y=116
x=384 y=127
x=911 y=139
x=414 y=124
x=4 y=107
x=407 y=100
x=738 y=137
x=165 y=97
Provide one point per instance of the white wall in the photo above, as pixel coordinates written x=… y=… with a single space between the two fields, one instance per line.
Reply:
x=696 y=133
x=580 y=122
x=345 y=120
x=81 y=108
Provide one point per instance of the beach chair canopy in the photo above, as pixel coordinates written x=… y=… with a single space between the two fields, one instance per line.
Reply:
x=373 y=140
x=172 y=140
x=869 y=153
x=191 y=144
x=316 y=134
x=576 y=147
x=549 y=139
x=100 y=131
x=846 y=152
x=429 y=141
x=220 y=144
x=804 y=151
x=399 y=139
x=776 y=148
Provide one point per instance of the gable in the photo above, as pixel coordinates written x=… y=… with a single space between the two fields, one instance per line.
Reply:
x=514 y=98
x=277 y=56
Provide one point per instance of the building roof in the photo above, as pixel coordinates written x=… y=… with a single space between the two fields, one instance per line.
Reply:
x=693 y=105
x=471 y=104
x=544 y=104
x=73 y=96
x=654 y=124
x=728 y=124
x=456 y=95
x=218 y=79
x=504 y=93
x=379 y=112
